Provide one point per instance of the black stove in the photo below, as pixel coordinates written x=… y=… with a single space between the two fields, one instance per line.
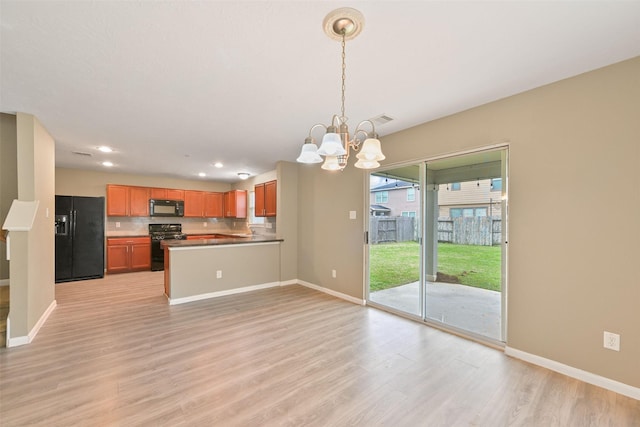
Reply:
x=158 y=233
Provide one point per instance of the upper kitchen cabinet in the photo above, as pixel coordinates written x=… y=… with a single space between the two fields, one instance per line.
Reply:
x=203 y=204
x=167 y=194
x=235 y=204
x=265 y=197
x=193 y=203
x=123 y=200
x=214 y=205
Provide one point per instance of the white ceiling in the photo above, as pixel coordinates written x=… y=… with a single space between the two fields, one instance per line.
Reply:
x=175 y=86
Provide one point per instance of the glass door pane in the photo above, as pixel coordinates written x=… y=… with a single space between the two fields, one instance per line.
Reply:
x=394 y=240
x=463 y=251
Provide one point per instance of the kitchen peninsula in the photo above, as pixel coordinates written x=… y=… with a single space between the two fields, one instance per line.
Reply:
x=207 y=268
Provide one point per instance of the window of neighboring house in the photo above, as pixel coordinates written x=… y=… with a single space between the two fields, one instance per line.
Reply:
x=467 y=212
x=411 y=194
x=410 y=214
x=455 y=186
x=496 y=184
x=252 y=210
x=382 y=197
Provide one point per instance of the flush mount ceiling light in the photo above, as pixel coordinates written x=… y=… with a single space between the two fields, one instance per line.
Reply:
x=243 y=175
x=105 y=149
x=343 y=24
x=107 y=164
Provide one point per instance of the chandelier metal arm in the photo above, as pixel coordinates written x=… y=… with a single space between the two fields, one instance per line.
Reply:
x=317 y=125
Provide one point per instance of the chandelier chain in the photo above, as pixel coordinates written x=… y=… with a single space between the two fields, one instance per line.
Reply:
x=344 y=67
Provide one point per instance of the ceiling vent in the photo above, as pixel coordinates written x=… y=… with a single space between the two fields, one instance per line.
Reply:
x=382 y=119
x=80 y=153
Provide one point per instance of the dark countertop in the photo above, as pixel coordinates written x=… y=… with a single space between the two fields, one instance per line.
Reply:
x=217 y=242
x=125 y=236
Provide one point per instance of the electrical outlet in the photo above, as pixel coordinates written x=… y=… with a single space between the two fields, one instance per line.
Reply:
x=333 y=274
x=117 y=225
x=611 y=341
x=204 y=224
x=219 y=274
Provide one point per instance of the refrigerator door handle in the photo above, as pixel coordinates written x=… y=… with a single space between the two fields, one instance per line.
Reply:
x=73 y=222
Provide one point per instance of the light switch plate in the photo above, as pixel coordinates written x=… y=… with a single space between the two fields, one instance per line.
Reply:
x=352 y=214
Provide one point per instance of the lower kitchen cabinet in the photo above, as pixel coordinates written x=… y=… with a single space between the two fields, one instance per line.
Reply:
x=126 y=254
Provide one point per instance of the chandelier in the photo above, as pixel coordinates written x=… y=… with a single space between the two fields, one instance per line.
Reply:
x=343 y=24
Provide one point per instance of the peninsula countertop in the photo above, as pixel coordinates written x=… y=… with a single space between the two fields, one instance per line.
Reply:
x=236 y=240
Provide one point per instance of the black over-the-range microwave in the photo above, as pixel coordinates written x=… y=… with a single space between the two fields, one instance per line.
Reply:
x=158 y=207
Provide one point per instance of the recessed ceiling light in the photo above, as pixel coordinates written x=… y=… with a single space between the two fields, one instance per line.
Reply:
x=201 y=174
x=218 y=165
x=107 y=164
x=105 y=149
x=243 y=175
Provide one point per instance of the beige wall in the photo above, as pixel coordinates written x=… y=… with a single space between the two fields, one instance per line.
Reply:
x=8 y=178
x=77 y=182
x=32 y=259
x=193 y=269
x=287 y=219
x=327 y=238
x=570 y=144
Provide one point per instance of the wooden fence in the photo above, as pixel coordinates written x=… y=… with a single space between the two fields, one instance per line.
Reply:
x=391 y=229
x=481 y=231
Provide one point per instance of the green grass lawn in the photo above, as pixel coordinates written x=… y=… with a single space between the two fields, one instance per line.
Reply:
x=395 y=264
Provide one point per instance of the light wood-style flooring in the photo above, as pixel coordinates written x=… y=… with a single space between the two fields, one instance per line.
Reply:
x=114 y=352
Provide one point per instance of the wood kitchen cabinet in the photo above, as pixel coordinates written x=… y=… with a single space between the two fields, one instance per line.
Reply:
x=265 y=198
x=126 y=254
x=203 y=204
x=235 y=204
x=214 y=205
x=124 y=200
x=202 y=236
x=193 y=204
x=166 y=194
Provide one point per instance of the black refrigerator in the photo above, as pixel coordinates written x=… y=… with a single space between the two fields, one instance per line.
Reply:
x=79 y=238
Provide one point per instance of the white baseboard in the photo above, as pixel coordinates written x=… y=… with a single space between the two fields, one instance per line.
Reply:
x=289 y=282
x=18 y=341
x=587 y=377
x=4 y=282
x=333 y=293
x=175 y=301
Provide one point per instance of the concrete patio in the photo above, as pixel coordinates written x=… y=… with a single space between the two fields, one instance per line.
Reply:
x=473 y=309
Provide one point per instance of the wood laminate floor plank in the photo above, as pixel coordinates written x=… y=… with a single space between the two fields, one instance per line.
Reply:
x=114 y=352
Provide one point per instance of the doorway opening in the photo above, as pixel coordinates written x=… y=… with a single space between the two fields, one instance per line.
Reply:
x=437 y=242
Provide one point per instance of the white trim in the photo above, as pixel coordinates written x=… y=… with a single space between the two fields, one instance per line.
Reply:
x=289 y=282
x=587 y=377
x=4 y=282
x=17 y=341
x=333 y=293
x=175 y=301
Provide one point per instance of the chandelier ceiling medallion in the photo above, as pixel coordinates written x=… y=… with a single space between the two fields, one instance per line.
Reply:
x=343 y=24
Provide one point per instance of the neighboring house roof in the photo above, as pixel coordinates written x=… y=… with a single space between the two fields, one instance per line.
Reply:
x=380 y=208
x=393 y=185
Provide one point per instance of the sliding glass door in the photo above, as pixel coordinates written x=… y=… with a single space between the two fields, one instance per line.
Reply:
x=395 y=240
x=436 y=242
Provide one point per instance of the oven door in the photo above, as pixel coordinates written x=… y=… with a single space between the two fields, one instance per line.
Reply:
x=157 y=255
